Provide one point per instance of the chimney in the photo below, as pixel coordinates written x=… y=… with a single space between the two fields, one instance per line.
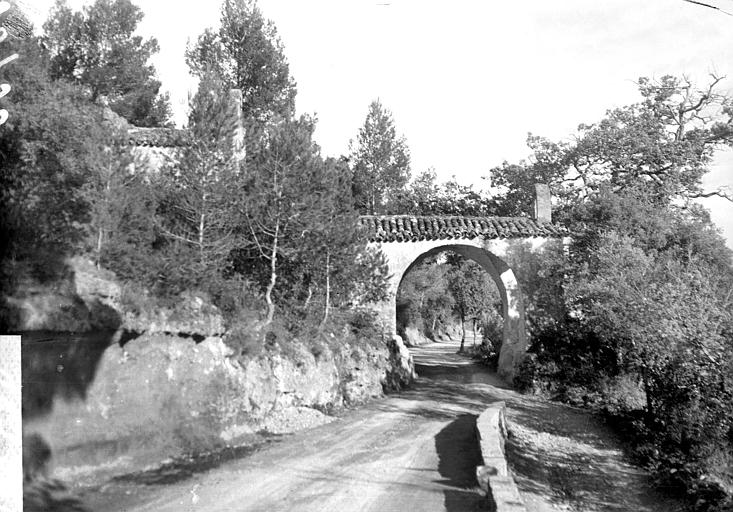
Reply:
x=235 y=101
x=542 y=203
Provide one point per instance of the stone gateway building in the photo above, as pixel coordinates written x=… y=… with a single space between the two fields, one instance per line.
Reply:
x=498 y=244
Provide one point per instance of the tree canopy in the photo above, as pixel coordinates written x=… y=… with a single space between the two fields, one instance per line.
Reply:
x=424 y=195
x=97 y=48
x=661 y=145
x=380 y=161
x=247 y=54
x=639 y=320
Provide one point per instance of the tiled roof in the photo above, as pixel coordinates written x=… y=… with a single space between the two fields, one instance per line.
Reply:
x=407 y=228
x=159 y=137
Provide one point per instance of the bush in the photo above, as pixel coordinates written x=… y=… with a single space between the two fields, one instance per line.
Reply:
x=363 y=325
x=525 y=380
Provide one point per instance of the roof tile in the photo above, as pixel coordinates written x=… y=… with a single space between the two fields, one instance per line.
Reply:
x=406 y=228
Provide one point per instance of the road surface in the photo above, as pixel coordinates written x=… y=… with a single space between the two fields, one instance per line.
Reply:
x=415 y=451
x=411 y=452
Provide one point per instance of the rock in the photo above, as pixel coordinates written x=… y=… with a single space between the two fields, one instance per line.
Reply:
x=401 y=369
x=415 y=338
x=361 y=373
x=95 y=284
x=88 y=299
x=191 y=315
x=46 y=312
x=307 y=382
x=161 y=396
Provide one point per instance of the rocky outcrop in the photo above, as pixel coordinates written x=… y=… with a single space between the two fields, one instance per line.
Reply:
x=414 y=337
x=401 y=368
x=191 y=316
x=121 y=386
x=87 y=300
x=90 y=299
x=161 y=396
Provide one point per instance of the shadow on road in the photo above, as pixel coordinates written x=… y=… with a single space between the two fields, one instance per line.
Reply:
x=458 y=456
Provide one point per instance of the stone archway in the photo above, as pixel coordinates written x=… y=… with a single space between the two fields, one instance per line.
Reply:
x=406 y=239
x=487 y=253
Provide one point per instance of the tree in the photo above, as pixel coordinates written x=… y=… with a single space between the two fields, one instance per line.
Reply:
x=471 y=287
x=666 y=323
x=333 y=251
x=105 y=192
x=422 y=301
x=381 y=162
x=661 y=146
x=247 y=54
x=49 y=151
x=197 y=211
x=67 y=187
x=425 y=196
x=644 y=295
x=303 y=241
x=97 y=48
x=275 y=205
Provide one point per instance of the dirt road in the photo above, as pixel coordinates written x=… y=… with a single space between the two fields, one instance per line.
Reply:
x=412 y=451
x=415 y=451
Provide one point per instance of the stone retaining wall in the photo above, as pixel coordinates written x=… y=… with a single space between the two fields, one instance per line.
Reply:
x=162 y=396
x=494 y=476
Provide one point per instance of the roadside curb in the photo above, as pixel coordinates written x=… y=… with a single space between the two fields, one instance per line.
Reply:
x=494 y=477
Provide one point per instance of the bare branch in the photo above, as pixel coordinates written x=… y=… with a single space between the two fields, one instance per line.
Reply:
x=721 y=192
x=708 y=5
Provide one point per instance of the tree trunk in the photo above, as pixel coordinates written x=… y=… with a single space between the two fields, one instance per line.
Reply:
x=463 y=330
x=327 y=308
x=100 y=234
x=474 y=332
x=308 y=297
x=649 y=416
x=202 y=224
x=273 y=276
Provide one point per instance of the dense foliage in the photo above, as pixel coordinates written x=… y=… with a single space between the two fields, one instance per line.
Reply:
x=98 y=49
x=446 y=291
x=247 y=54
x=249 y=212
x=635 y=320
x=644 y=329
x=381 y=162
x=53 y=158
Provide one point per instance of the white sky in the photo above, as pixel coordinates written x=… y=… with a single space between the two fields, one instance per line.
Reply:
x=466 y=80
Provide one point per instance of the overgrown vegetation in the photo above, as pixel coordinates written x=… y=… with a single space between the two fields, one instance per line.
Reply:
x=635 y=320
x=249 y=213
x=644 y=330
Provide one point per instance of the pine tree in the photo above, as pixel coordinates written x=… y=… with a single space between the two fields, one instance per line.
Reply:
x=381 y=162
x=247 y=54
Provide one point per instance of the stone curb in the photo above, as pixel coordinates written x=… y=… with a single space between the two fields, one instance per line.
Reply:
x=494 y=477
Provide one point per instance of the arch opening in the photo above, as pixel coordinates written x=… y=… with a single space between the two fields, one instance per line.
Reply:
x=402 y=259
x=447 y=297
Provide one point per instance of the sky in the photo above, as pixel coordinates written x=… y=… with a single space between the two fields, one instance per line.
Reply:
x=466 y=80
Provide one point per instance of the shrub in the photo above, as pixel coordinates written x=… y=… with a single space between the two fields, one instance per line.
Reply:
x=525 y=380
